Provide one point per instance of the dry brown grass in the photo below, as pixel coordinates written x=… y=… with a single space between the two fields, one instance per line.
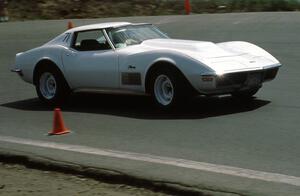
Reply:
x=60 y=9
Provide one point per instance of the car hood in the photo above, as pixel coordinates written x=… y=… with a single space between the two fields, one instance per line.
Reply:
x=212 y=55
x=202 y=48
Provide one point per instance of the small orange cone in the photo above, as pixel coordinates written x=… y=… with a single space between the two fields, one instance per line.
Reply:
x=58 y=124
x=187 y=7
x=70 y=25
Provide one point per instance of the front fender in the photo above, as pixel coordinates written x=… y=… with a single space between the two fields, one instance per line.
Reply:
x=143 y=59
x=191 y=68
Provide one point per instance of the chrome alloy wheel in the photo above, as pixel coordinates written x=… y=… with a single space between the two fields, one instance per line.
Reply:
x=163 y=90
x=47 y=85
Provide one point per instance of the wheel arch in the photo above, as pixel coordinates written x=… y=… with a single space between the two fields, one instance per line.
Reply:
x=44 y=63
x=160 y=64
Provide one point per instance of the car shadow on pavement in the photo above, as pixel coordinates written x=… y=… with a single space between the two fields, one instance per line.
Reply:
x=141 y=107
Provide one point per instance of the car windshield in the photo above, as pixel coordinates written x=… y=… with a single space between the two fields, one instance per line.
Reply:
x=133 y=34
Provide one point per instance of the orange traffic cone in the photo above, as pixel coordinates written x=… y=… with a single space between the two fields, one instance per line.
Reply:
x=187 y=7
x=58 y=124
x=70 y=25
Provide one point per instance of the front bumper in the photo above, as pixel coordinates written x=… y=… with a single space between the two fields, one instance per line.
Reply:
x=231 y=82
x=250 y=78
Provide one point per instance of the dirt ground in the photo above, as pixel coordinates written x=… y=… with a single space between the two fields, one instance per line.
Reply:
x=18 y=180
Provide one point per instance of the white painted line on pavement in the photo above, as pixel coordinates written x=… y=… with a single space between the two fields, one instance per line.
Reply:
x=221 y=169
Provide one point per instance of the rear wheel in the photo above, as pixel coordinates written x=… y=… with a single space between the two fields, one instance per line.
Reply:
x=168 y=87
x=51 y=86
x=245 y=94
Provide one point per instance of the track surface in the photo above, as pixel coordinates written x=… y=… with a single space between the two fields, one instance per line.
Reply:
x=262 y=135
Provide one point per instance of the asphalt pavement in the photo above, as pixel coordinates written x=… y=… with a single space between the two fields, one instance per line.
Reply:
x=262 y=135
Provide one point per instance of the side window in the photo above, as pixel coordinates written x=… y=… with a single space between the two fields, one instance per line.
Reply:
x=90 y=41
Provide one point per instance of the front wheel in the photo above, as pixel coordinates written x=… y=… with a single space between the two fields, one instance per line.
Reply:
x=164 y=90
x=51 y=87
x=168 y=88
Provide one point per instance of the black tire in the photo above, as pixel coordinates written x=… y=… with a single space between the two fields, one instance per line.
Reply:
x=62 y=91
x=181 y=88
x=245 y=94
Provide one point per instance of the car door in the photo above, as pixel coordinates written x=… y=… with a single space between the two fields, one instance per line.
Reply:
x=90 y=62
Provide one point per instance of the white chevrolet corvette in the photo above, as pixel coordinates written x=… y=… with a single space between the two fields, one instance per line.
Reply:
x=122 y=57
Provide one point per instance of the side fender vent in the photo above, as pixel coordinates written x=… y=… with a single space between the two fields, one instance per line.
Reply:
x=131 y=79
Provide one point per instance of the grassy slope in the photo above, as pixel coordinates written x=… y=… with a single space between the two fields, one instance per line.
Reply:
x=58 y=9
